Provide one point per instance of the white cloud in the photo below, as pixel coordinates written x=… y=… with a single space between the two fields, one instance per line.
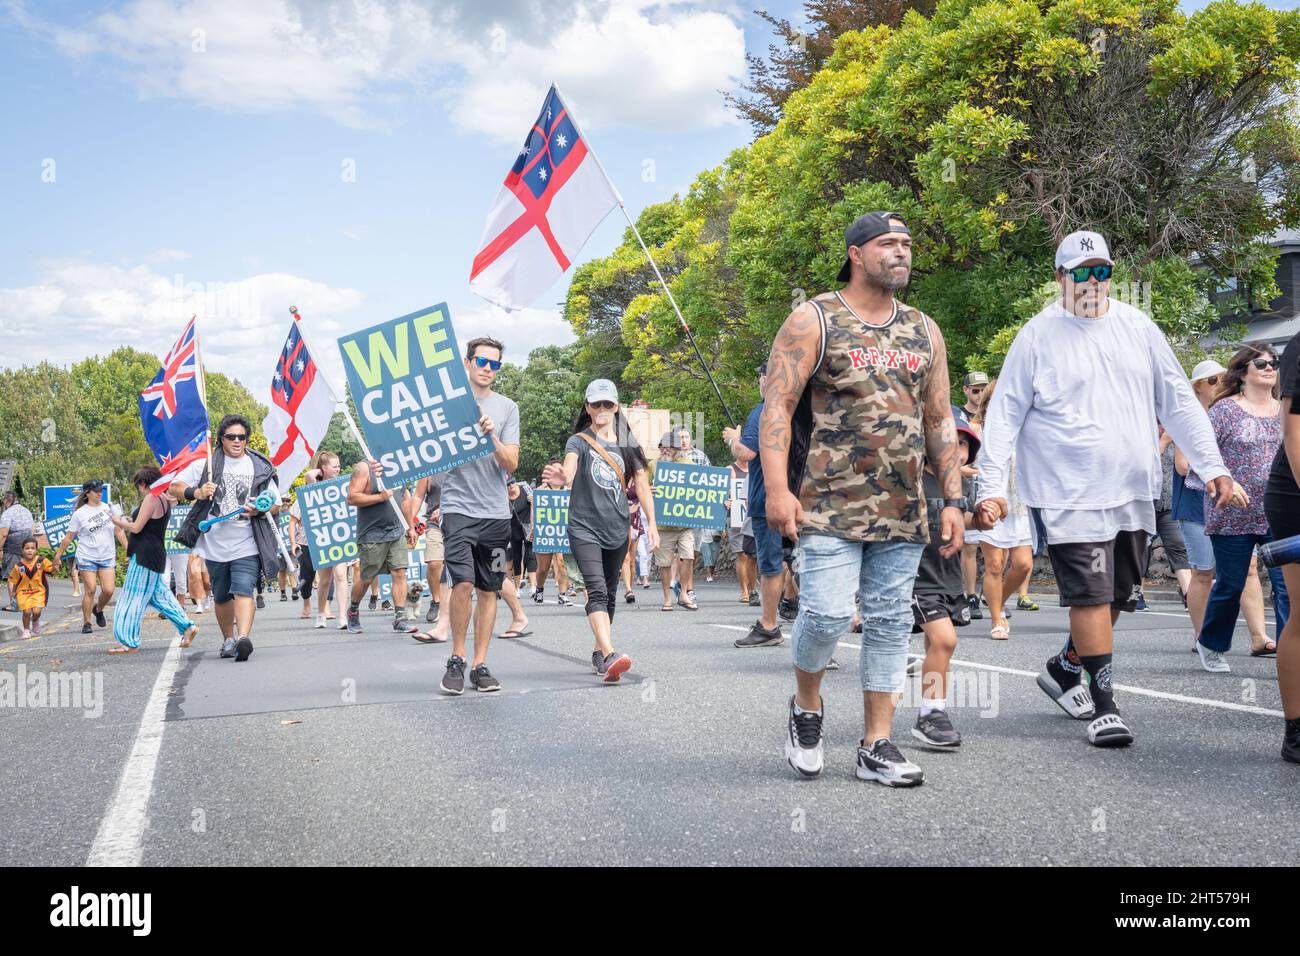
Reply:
x=657 y=64
x=76 y=309
x=520 y=332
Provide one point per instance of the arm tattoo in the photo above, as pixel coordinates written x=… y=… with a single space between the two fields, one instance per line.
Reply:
x=789 y=368
x=936 y=418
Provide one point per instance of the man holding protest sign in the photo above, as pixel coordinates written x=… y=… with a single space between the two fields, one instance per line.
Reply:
x=476 y=522
x=382 y=542
x=676 y=544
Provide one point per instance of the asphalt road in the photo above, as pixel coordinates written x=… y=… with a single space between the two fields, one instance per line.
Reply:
x=326 y=748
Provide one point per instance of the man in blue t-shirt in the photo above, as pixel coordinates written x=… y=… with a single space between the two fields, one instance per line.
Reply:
x=766 y=631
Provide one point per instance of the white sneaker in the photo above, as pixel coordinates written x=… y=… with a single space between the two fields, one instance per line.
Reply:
x=320 y=620
x=1212 y=661
x=885 y=763
x=803 y=741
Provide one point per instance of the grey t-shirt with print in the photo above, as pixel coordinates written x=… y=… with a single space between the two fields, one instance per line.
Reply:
x=598 y=507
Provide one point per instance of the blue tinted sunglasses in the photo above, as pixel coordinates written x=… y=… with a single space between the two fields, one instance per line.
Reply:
x=482 y=362
x=1081 y=273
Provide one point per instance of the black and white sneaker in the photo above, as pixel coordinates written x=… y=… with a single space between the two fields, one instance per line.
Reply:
x=936 y=729
x=975 y=613
x=885 y=763
x=1073 y=698
x=261 y=602
x=243 y=648
x=563 y=600
x=759 y=636
x=402 y=626
x=284 y=597
x=1109 y=730
x=803 y=741
x=374 y=602
x=598 y=663
x=431 y=615
x=832 y=665
x=453 y=682
x=483 y=680
x=788 y=609
x=87 y=629
x=386 y=605
x=539 y=597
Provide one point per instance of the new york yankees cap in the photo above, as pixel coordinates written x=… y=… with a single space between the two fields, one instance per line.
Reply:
x=1081 y=246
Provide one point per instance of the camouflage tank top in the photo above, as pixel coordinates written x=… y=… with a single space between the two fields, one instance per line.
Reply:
x=861 y=479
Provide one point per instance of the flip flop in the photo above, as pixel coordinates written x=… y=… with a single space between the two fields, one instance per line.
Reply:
x=426 y=637
x=689 y=607
x=123 y=650
x=192 y=632
x=668 y=608
x=1268 y=650
x=513 y=633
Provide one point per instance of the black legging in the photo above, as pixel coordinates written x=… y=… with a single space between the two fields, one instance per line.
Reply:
x=306 y=573
x=601 y=569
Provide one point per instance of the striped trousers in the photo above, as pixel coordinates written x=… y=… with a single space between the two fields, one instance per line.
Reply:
x=144 y=589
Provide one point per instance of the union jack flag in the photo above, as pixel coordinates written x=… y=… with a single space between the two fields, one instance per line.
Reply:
x=172 y=411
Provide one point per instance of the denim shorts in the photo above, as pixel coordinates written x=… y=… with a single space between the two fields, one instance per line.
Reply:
x=96 y=565
x=771 y=559
x=230 y=578
x=1200 y=553
x=880 y=575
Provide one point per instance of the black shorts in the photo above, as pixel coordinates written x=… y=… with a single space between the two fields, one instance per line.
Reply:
x=1283 y=513
x=928 y=608
x=477 y=550
x=1101 y=572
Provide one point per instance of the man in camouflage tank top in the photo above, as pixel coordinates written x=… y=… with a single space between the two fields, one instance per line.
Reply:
x=858 y=397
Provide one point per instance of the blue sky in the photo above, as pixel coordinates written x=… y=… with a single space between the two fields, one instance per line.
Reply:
x=234 y=157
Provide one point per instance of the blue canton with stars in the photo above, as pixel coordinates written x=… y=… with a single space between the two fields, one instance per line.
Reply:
x=542 y=152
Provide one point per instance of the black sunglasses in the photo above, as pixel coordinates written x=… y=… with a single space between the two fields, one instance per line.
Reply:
x=603 y=406
x=229 y=437
x=1262 y=364
x=482 y=362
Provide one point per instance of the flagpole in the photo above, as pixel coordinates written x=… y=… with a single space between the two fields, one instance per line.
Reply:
x=347 y=415
x=653 y=265
x=203 y=393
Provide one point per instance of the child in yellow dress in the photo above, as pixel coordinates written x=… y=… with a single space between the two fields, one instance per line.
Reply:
x=29 y=583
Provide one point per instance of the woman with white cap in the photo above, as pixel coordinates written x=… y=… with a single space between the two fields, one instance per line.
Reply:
x=599 y=460
x=1189 y=511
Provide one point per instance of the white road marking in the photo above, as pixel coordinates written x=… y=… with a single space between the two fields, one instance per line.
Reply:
x=1127 y=688
x=120 y=840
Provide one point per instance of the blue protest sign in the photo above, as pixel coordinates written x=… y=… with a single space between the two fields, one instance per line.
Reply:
x=328 y=521
x=175 y=519
x=413 y=395
x=61 y=500
x=691 y=496
x=550 y=521
x=55 y=528
x=414 y=572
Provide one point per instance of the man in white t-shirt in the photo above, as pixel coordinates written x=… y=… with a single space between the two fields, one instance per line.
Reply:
x=240 y=550
x=1077 y=402
x=96 y=559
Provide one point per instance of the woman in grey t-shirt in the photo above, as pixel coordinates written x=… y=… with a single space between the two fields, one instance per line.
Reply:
x=599 y=460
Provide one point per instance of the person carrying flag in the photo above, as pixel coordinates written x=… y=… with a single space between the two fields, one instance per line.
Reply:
x=236 y=550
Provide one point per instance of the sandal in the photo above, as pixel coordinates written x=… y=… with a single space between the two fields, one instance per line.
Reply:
x=123 y=650
x=1268 y=650
x=1000 y=633
x=688 y=605
x=188 y=637
x=666 y=607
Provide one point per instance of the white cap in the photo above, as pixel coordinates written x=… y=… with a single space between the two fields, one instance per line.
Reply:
x=1079 y=247
x=1206 y=369
x=602 y=390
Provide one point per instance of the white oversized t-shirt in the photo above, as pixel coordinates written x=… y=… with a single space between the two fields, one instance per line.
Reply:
x=94 y=527
x=232 y=539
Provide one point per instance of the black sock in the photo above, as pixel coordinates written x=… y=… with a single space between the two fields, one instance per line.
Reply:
x=1098 y=667
x=354 y=606
x=1065 y=667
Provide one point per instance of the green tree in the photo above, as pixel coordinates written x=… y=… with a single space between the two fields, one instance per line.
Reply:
x=549 y=392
